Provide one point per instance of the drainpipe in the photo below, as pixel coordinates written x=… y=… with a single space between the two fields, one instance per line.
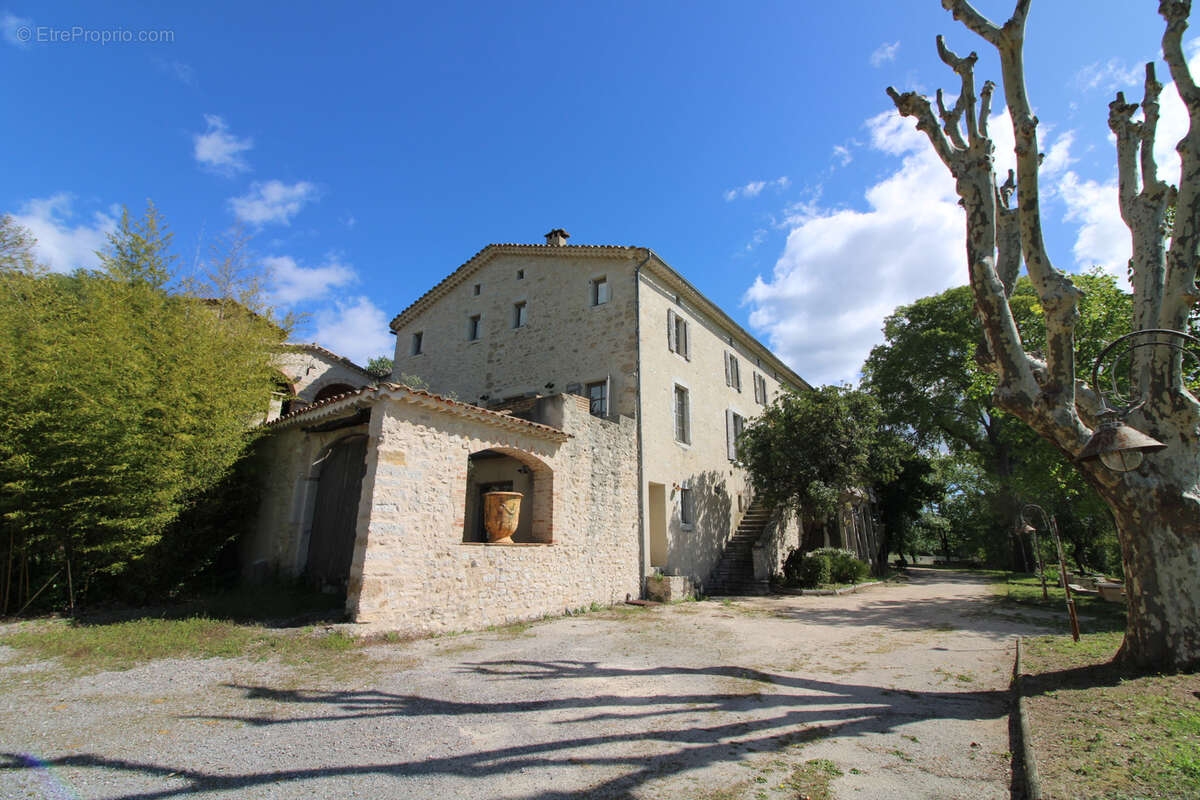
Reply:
x=642 y=534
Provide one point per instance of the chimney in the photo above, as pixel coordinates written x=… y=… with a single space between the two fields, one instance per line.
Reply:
x=557 y=237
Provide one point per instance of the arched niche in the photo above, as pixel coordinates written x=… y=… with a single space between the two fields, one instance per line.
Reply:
x=510 y=470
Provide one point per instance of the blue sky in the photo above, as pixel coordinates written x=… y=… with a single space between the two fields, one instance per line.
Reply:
x=371 y=150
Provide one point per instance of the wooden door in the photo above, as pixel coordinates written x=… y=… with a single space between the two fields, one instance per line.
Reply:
x=335 y=515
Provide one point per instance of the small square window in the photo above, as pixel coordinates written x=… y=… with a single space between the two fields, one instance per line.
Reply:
x=600 y=290
x=417 y=342
x=473 y=327
x=475 y=291
x=520 y=274
x=597 y=395
x=519 y=314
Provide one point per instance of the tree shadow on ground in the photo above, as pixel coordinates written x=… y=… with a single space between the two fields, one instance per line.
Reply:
x=997 y=617
x=776 y=711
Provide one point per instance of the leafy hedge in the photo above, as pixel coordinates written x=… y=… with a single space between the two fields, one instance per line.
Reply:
x=126 y=409
x=825 y=565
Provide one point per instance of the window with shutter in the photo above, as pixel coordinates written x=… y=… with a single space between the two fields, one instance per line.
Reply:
x=683 y=431
x=734 y=424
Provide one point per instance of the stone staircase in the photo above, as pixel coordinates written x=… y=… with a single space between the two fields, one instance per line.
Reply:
x=734 y=573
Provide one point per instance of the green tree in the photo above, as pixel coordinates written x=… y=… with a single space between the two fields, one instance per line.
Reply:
x=807 y=448
x=122 y=405
x=933 y=376
x=909 y=490
x=380 y=367
x=1155 y=502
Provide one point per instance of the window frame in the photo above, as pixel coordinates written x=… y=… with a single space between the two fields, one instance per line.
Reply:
x=682 y=416
x=735 y=426
x=417 y=345
x=594 y=286
x=520 y=314
x=733 y=371
x=605 y=392
x=687 y=506
x=474 y=327
x=760 y=389
x=678 y=337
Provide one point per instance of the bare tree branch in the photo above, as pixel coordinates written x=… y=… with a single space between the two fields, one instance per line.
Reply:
x=1180 y=281
x=1057 y=293
x=1008 y=236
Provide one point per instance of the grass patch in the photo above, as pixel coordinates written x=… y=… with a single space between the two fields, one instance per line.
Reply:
x=1101 y=730
x=812 y=778
x=84 y=648
x=1023 y=590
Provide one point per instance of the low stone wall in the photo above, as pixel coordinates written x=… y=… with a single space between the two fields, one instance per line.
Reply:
x=413 y=573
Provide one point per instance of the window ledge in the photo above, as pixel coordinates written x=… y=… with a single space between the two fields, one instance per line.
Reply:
x=684 y=526
x=507 y=544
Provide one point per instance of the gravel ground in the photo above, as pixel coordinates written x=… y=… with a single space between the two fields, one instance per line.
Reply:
x=902 y=686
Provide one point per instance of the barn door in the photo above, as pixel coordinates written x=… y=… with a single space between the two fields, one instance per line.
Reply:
x=335 y=515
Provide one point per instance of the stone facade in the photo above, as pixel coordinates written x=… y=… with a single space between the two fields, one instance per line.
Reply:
x=412 y=570
x=565 y=340
x=572 y=339
x=308 y=369
x=594 y=380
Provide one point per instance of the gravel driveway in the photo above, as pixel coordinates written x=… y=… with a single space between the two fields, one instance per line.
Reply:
x=903 y=687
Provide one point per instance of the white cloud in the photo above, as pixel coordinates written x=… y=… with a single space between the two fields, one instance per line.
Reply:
x=291 y=283
x=842 y=271
x=17 y=30
x=218 y=149
x=755 y=188
x=355 y=328
x=62 y=243
x=842 y=154
x=1110 y=76
x=273 y=201
x=884 y=53
x=1103 y=238
x=1058 y=157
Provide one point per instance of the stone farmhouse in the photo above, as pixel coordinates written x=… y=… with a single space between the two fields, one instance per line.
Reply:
x=594 y=380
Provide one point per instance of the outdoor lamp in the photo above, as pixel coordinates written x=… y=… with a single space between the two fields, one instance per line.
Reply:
x=1120 y=447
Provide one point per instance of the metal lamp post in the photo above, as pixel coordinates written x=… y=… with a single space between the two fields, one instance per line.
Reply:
x=1062 y=563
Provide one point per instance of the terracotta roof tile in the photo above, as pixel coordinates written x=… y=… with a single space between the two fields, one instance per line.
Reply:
x=369 y=394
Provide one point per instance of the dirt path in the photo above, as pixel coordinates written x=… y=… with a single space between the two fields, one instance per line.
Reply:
x=902 y=687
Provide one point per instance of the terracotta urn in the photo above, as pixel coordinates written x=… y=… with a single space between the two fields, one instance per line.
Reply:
x=501 y=511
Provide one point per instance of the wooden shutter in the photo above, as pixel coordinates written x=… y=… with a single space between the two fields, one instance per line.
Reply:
x=687 y=344
x=608 y=396
x=675 y=411
x=728 y=377
x=672 y=345
x=729 y=437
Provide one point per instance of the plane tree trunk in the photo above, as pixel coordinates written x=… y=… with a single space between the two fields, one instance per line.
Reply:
x=1157 y=506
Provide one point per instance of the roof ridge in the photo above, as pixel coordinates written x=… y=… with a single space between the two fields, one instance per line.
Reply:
x=546 y=249
x=386 y=389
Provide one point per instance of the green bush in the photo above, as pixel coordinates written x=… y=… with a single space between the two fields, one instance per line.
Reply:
x=806 y=571
x=844 y=565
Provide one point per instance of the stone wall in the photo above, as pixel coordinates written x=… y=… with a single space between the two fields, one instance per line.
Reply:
x=412 y=572
x=309 y=370
x=565 y=339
